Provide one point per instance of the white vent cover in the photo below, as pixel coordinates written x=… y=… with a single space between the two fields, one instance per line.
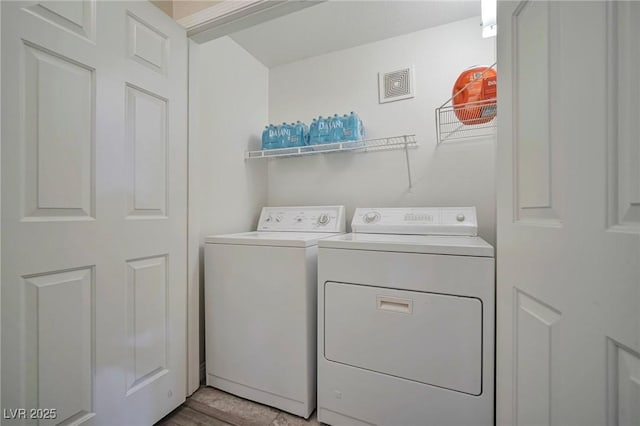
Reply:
x=396 y=85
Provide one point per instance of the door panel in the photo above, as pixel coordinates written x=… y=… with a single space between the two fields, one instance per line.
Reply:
x=59 y=325
x=624 y=149
x=533 y=328
x=93 y=211
x=147 y=321
x=60 y=139
x=78 y=17
x=531 y=28
x=147 y=45
x=568 y=313
x=537 y=177
x=146 y=121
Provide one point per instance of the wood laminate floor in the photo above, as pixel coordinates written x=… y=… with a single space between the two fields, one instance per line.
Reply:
x=212 y=407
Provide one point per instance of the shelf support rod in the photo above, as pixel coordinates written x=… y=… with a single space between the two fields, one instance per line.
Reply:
x=406 y=153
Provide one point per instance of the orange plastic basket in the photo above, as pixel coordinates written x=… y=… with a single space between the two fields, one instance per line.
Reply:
x=474 y=95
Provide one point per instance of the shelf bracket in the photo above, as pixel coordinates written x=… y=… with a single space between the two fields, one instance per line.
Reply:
x=406 y=153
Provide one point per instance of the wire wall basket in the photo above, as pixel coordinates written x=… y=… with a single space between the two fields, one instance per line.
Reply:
x=467 y=120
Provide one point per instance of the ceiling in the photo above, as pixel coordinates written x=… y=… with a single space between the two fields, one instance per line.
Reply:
x=342 y=24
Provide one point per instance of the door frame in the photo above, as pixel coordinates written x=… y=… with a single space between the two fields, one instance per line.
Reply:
x=195 y=336
x=0 y=197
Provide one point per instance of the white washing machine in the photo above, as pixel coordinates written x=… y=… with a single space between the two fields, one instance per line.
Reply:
x=261 y=307
x=406 y=320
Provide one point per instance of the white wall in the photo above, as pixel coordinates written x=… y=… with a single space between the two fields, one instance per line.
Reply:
x=228 y=107
x=456 y=174
x=231 y=108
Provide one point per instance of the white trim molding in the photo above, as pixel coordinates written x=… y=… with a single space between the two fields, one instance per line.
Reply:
x=218 y=11
x=230 y=16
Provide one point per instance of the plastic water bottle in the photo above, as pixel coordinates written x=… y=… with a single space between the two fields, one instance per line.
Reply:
x=356 y=126
x=280 y=136
x=285 y=136
x=300 y=131
x=313 y=132
x=323 y=130
x=273 y=136
x=336 y=127
x=305 y=134
x=292 y=140
x=347 y=132
x=295 y=135
x=270 y=137
x=265 y=138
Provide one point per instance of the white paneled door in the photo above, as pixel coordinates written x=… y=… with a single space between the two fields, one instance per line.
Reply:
x=568 y=320
x=93 y=213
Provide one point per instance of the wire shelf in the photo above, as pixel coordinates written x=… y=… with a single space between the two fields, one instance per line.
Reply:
x=380 y=144
x=466 y=121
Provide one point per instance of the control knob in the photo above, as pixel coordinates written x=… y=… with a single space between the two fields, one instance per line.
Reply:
x=371 y=217
x=460 y=217
x=323 y=219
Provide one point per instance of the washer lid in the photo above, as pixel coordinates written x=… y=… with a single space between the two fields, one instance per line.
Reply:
x=427 y=244
x=265 y=238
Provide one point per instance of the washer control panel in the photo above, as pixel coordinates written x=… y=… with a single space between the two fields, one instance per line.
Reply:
x=416 y=221
x=303 y=219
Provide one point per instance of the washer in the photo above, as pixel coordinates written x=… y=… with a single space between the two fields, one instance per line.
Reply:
x=260 y=307
x=406 y=320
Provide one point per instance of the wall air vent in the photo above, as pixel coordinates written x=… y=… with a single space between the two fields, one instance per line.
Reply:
x=396 y=85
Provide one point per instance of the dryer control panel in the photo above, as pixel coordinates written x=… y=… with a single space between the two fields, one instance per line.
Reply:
x=416 y=221
x=303 y=219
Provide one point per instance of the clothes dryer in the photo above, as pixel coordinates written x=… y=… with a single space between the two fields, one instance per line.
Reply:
x=406 y=311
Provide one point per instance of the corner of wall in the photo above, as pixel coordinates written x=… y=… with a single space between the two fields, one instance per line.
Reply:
x=228 y=105
x=165 y=5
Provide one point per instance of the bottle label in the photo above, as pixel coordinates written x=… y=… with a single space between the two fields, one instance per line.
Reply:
x=335 y=125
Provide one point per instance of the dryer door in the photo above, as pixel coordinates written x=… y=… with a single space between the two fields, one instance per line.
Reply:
x=430 y=338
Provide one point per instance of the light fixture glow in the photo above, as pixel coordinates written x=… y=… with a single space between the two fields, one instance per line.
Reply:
x=488 y=12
